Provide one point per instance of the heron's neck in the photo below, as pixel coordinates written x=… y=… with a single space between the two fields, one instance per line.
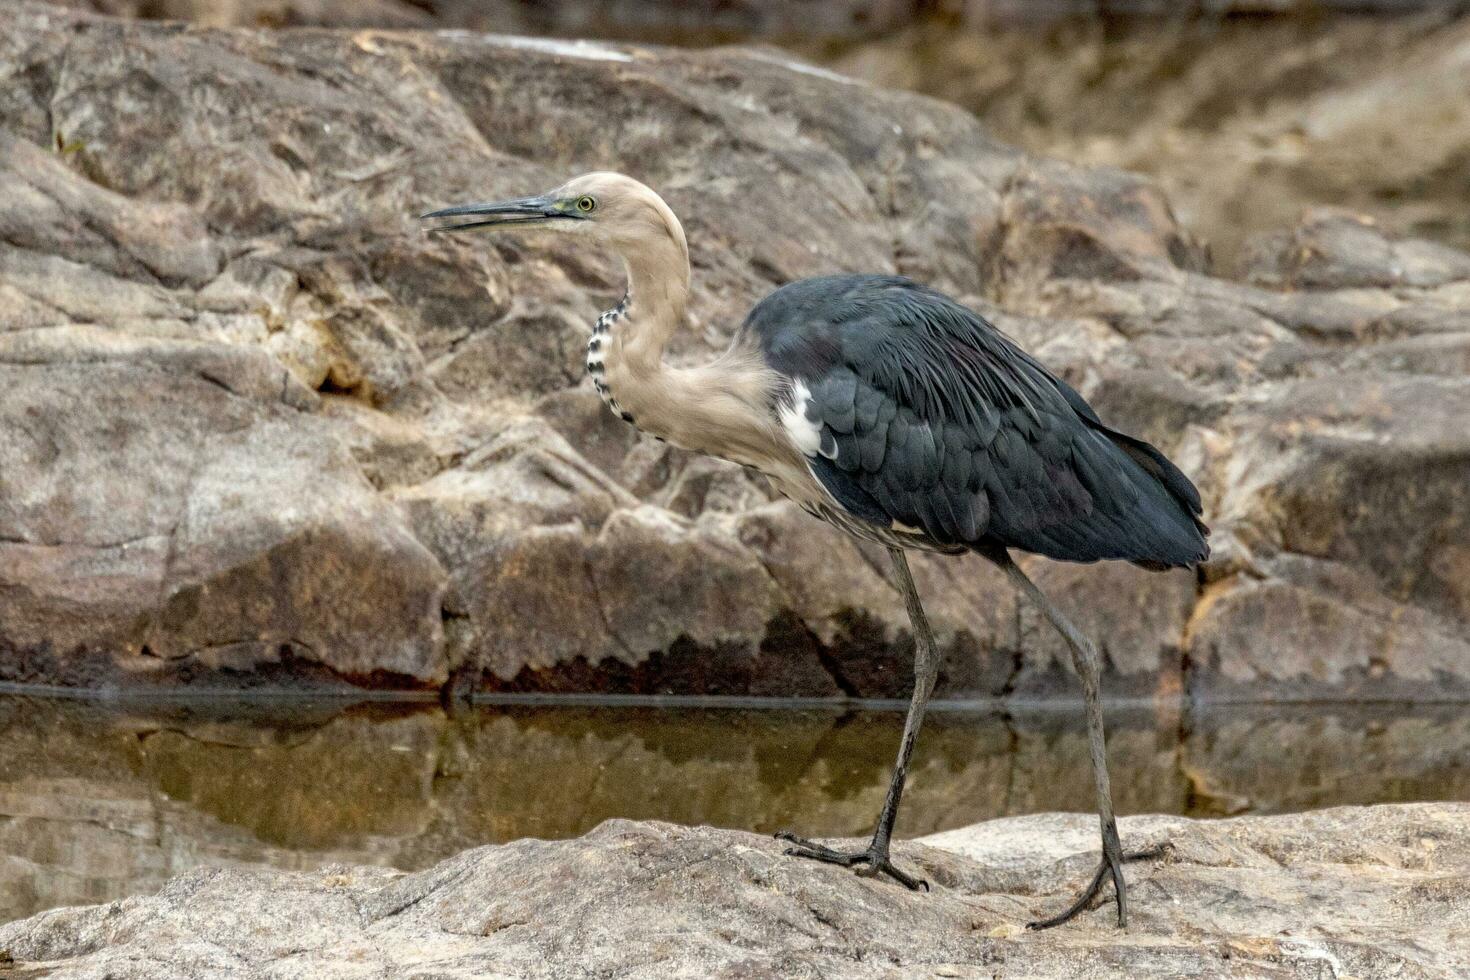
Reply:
x=658 y=293
x=719 y=408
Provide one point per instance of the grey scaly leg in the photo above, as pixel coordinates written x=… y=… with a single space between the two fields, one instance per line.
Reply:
x=874 y=860
x=1088 y=665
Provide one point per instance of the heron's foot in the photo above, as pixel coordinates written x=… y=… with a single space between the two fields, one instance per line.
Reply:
x=869 y=863
x=1111 y=866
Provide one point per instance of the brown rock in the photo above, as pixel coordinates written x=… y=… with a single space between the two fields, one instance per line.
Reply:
x=171 y=508
x=646 y=20
x=260 y=424
x=1341 y=250
x=1245 y=122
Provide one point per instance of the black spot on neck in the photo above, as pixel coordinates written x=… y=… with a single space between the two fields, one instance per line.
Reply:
x=596 y=368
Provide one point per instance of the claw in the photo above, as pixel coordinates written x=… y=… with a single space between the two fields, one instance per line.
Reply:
x=869 y=863
x=1083 y=901
x=1109 y=867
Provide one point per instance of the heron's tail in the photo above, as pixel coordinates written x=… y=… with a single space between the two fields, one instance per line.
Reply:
x=1178 y=517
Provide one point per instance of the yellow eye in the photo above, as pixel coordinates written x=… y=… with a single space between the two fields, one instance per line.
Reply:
x=585 y=204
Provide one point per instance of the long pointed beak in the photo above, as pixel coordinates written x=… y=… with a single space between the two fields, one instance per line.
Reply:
x=525 y=211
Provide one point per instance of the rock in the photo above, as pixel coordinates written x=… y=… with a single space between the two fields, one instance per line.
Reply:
x=1375 y=891
x=664 y=21
x=1019 y=11
x=1341 y=250
x=1245 y=122
x=182 y=510
x=261 y=430
x=690 y=21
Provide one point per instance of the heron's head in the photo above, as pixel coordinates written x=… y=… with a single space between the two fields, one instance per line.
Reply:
x=607 y=207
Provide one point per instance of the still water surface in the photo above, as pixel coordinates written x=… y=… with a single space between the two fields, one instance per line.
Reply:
x=101 y=801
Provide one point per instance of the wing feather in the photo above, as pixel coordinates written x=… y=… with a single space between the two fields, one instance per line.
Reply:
x=938 y=421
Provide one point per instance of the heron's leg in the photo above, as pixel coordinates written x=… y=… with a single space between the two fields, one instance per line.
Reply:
x=875 y=859
x=1088 y=666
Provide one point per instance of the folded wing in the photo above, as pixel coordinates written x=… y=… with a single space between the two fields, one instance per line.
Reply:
x=927 y=417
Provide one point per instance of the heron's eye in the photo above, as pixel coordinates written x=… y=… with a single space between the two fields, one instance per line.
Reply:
x=585 y=204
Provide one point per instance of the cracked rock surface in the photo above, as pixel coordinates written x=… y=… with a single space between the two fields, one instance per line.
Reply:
x=1350 y=892
x=258 y=429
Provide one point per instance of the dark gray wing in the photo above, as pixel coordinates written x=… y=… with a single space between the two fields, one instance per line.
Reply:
x=931 y=418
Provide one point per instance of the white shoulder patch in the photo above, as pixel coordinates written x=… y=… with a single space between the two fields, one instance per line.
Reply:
x=802 y=431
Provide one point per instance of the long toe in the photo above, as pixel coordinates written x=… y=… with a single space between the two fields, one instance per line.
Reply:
x=869 y=863
x=803 y=848
x=873 y=866
x=1083 y=901
x=826 y=855
x=1109 y=868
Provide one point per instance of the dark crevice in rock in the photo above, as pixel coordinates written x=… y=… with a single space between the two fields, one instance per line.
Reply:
x=414 y=898
x=861 y=661
x=1187 y=676
x=992 y=270
x=864 y=661
x=790 y=661
x=833 y=668
x=292 y=667
x=459 y=628
x=89 y=545
x=685 y=668
x=357 y=390
x=459 y=689
x=1018 y=664
x=101 y=669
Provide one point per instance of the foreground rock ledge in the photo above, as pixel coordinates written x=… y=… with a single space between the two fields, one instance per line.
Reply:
x=1350 y=892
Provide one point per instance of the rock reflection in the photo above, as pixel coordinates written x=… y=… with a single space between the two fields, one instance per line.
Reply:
x=99 y=802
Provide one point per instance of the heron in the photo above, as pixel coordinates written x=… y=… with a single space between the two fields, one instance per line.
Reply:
x=896 y=414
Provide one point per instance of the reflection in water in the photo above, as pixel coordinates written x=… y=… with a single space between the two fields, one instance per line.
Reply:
x=98 y=802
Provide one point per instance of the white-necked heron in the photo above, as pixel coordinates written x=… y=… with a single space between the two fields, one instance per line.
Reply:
x=895 y=413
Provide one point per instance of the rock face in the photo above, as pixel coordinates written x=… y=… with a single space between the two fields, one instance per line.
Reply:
x=657 y=20
x=1245 y=123
x=259 y=429
x=693 y=20
x=1381 y=891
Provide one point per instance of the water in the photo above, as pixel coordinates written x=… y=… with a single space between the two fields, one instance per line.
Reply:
x=101 y=801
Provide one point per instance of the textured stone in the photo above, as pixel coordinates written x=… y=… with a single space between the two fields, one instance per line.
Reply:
x=667 y=21
x=260 y=429
x=1246 y=122
x=169 y=507
x=1380 y=891
x=647 y=20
